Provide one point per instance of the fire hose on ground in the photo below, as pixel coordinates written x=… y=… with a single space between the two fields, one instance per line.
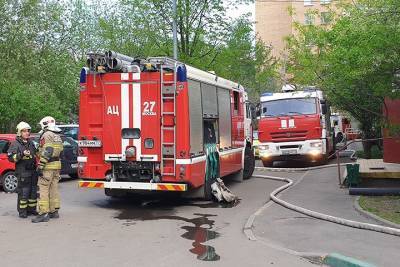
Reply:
x=321 y=216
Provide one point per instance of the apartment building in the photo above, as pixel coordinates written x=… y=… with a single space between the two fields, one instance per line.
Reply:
x=274 y=21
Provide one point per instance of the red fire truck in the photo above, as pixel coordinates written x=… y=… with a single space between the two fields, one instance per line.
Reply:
x=294 y=125
x=144 y=125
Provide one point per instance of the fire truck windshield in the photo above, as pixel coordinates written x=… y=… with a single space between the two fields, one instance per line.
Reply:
x=291 y=106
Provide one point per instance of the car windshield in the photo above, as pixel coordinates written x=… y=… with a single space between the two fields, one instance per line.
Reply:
x=292 y=106
x=70 y=132
x=69 y=142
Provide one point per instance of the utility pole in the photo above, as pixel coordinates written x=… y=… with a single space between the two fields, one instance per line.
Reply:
x=174 y=29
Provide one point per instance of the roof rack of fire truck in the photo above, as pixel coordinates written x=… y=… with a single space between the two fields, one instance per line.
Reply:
x=111 y=61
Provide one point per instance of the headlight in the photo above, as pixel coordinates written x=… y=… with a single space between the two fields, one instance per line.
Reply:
x=315 y=153
x=263 y=147
x=316 y=144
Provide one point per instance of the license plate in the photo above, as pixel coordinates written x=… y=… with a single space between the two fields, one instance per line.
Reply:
x=74 y=165
x=89 y=143
x=289 y=152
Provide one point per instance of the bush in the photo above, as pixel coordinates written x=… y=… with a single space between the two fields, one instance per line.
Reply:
x=376 y=153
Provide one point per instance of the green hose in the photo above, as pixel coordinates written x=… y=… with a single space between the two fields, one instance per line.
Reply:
x=212 y=167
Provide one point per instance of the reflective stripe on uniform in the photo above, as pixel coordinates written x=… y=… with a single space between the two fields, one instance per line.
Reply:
x=32 y=203
x=55 y=203
x=55 y=165
x=44 y=206
x=23 y=204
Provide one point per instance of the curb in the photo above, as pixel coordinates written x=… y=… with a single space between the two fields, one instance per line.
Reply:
x=373 y=216
x=338 y=260
x=298 y=169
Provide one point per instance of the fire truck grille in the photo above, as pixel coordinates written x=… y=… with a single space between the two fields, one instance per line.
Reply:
x=289 y=136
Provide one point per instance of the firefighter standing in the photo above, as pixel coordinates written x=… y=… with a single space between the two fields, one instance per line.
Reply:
x=22 y=152
x=48 y=169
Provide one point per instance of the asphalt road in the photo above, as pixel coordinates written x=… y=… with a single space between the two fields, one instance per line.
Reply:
x=318 y=190
x=166 y=230
x=154 y=230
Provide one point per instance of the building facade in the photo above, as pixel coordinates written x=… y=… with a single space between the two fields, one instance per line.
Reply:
x=275 y=18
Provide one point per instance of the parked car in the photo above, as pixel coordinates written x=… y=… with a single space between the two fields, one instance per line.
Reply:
x=70 y=130
x=8 y=180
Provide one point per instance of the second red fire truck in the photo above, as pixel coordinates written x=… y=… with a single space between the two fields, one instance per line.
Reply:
x=294 y=125
x=146 y=125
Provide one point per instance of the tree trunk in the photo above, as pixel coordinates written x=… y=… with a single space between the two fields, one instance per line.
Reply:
x=368 y=133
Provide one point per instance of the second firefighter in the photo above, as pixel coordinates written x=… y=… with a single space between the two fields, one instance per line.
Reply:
x=50 y=148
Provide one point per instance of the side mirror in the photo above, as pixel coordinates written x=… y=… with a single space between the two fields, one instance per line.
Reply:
x=324 y=106
x=258 y=112
x=324 y=109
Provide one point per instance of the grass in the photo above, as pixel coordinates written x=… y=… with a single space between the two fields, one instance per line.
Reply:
x=386 y=207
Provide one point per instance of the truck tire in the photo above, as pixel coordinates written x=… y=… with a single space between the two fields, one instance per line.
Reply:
x=249 y=163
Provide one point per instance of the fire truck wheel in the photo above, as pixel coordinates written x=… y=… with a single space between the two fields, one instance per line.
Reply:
x=268 y=163
x=249 y=163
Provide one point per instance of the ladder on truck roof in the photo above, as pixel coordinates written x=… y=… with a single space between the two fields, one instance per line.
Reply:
x=168 y=117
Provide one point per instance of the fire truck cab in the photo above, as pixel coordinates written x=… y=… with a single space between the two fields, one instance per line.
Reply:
x=146 y=124
x=294 y=125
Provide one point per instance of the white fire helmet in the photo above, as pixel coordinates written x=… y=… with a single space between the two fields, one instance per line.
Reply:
x=49 y=123
x=22 y=126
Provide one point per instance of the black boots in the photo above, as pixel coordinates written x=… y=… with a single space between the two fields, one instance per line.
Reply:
x=23 y=214
x=32 y=212
x=41 y=218
x=54 y=215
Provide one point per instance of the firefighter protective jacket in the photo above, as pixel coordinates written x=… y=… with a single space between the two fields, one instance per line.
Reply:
x=25 y=166
x=50 y=150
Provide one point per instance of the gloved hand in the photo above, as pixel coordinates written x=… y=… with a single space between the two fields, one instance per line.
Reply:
x=39 y=171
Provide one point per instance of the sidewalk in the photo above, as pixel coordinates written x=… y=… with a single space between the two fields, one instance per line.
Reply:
x=318 y=191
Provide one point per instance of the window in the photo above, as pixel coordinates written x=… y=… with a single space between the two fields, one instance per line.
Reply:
x=308 y=19
x=326 y=17
x=289 y=107
x=4 y=144
x=325 y=2
x=248 y=110
x=308 y=2
x=68 y=142
x=70 y=131
x=236 y=103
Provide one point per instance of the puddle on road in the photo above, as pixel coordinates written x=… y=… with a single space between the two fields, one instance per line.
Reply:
x=199 y=234
x=198 y=229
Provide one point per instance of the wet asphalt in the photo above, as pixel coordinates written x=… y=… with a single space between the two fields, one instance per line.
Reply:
x=143 y=230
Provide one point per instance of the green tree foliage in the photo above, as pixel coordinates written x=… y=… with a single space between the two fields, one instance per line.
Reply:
x=43 y=45
x=354 y=60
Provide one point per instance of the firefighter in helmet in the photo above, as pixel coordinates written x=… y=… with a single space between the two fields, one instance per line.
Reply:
x=50 y=148
x=23 y=152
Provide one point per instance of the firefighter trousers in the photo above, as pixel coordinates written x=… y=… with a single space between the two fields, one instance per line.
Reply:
x=27 y=193
x=49 y=197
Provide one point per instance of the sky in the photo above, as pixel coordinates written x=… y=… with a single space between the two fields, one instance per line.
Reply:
x=243 y=9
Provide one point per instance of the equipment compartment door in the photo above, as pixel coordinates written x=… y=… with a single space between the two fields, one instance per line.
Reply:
x=151 y=122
